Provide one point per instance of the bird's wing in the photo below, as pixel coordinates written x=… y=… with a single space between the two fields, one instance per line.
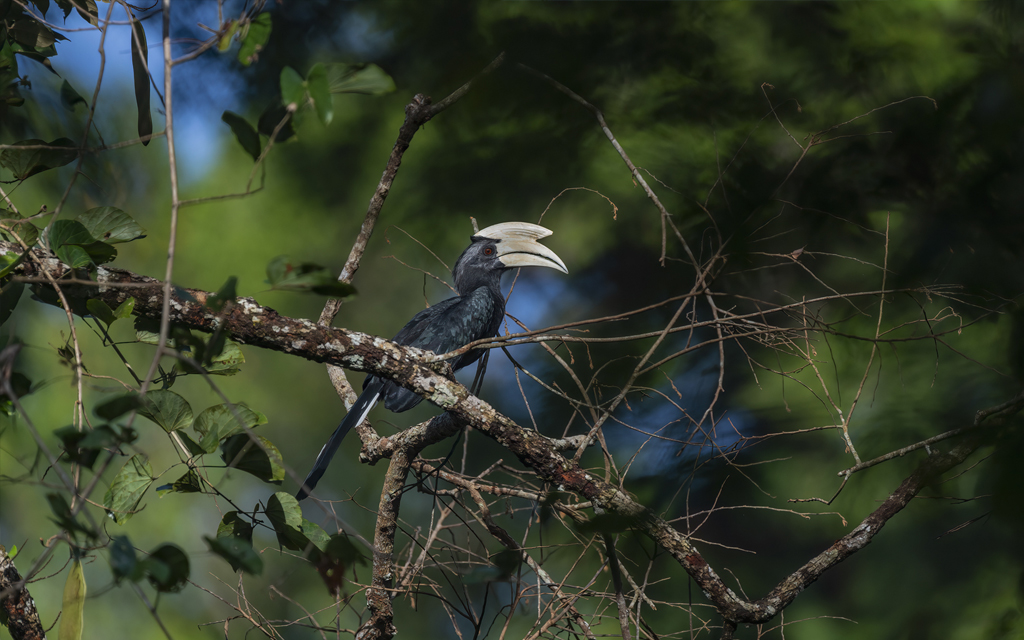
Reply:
x=444 y=327
x=418 y=331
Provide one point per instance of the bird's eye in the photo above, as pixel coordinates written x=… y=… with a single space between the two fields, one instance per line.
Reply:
x=489 y=251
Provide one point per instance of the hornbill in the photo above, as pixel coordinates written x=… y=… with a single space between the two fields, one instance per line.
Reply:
x=475 y=313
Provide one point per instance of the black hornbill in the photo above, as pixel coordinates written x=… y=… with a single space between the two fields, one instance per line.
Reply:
x=475 y=313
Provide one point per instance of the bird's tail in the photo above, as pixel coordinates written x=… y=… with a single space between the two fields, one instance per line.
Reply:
x=366 y=401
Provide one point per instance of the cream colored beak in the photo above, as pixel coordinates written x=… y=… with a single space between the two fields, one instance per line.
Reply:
x=518 y=246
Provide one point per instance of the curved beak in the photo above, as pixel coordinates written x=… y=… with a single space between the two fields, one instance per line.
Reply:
x=518 y=246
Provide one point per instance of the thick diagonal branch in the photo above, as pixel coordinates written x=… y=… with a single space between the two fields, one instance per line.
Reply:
x=252 y=324
x=18 y=606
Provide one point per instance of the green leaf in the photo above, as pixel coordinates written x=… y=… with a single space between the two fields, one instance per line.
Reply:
x=117 y=407
x=359 y=78
x=226 y=363
x=186 y=341
x=283 y=510
x=83 y=447
x=227 y=293
x=320 y=92
x=240 y=452
x=10 y=294
x=235 y=535
x=8 y=261
x=100 y=311
x=167 y=409
x=42 y=5
x=124 y=563
x=73 y=604
x=64 y=519
x=129 y=486
x=111 y=225
x=315 y=534
x=8 y=63
x=140 y=74
x=193 y=448
x=244 y=133
x=11 y=95
x=147 y=331
x=75 y=246
x=66 y=6
x=124 y=310
x=213 y=353
x=286 y=517
x=27 y=231
x=167 y=568
x=257 y=33
x=90 y=14
x=73 y=255
x=278 y=269
x=101 y=437
x=42 y=56
x=340 y=547
x=69 y=97
x=28 y=162
x=31 y=33
x=238 y=553
x=338 y=554
x=294 y=532
x=233 y=525
x=293 y=88
x=100 y=252
x=225 y=40
x=71 y=439
x=20 y=385
x=271 y=118
x=305 y=277
x=187 y=483
x=219 y=422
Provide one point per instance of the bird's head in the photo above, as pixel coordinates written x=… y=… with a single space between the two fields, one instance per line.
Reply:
x=503 y=246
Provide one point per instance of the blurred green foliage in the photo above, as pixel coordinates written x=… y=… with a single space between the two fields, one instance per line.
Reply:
x=920 y=167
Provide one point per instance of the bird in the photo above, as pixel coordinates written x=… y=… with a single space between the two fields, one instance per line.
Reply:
x=474 y=313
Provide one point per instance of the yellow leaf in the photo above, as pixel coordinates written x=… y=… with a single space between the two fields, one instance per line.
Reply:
x=74 y=604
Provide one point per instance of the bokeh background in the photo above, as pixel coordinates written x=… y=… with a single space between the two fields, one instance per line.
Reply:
x=682 y=86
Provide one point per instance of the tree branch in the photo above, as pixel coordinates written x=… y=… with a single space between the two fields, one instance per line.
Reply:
x=417 y=113
x=250 y=323
x=20 y=609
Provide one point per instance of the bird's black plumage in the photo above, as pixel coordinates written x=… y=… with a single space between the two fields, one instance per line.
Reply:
x=475 y=313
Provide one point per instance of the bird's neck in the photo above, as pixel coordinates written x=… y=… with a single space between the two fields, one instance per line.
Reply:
x=467 y=283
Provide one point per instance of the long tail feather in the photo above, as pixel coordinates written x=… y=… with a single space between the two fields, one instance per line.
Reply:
x=366 y=401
